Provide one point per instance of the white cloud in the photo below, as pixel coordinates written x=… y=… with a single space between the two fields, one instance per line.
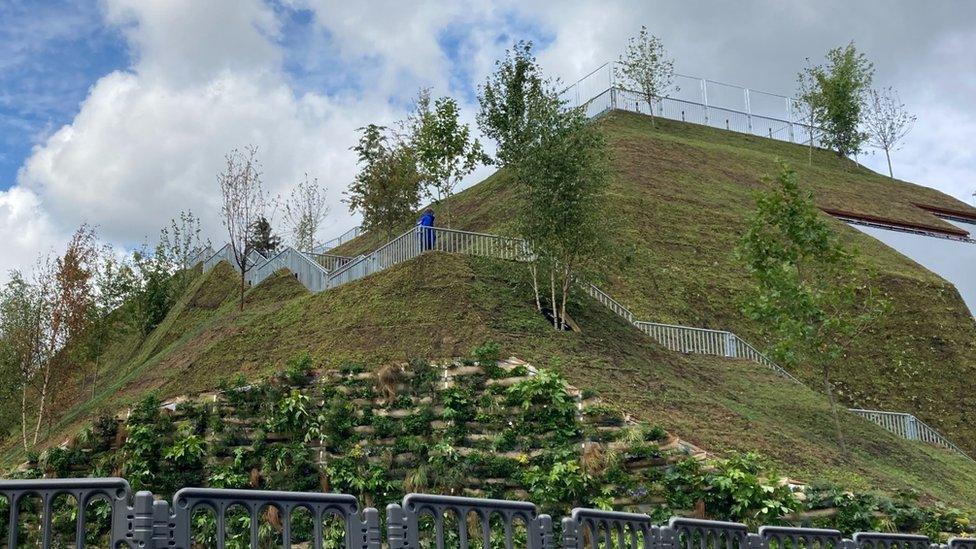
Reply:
x=208 y=76
x=27 y=230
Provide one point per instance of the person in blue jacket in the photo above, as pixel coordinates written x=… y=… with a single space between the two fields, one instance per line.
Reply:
x=425 y=230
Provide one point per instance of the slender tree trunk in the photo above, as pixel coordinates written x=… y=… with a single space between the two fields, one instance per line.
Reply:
x=833 y=409
x=94 y=378
x=242 y=288
x=891 y=174
x=534 y=269
x=555 y=306
x=40 y=407
x=23 y=413
x=566 y=279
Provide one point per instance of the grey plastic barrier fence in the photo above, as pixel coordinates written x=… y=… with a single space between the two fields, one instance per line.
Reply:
x=149 y=523
x=361 y=532
x=599 y=528
x=685 y=533
x=114 y=491
x=877 y=540
x=780 y=537
x=404 y=528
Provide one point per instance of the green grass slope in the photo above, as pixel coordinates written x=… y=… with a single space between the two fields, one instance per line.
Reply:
x=443 y=305
x=680 y=199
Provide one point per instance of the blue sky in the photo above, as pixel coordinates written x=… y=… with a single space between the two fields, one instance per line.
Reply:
x=117 y=113
x=50 y=54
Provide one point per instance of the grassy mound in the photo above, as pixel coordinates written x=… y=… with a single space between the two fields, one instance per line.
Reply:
x=444 y=305
x=681 y=197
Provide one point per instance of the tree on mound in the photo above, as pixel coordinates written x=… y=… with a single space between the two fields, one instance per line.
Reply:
x=386 y=191
x=561 y=164
x=243 y=204
x=807 y=297
x=835 y=96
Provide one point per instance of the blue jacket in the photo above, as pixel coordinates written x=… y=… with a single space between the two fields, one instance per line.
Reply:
x=427 y=235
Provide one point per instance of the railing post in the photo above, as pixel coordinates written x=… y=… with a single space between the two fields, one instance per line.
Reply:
x=731 y=349
x=143 y=520
x=911 y=427
x=396 y=523
x=570 y=533
x=373 y=535
x=545 y=532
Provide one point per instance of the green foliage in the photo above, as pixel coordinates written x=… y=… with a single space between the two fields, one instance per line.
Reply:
x=386 y=191
x=835 y=95
x=807 y=297
x=290 y=414
x=443 y=147
x=506 y=98
x=187 y=450
x=487 y=354
x=646 y=67
x=298 y=369
x=546 y=405
x=262 y=238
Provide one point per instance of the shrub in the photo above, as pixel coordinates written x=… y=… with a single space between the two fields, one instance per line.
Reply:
x=298 y=369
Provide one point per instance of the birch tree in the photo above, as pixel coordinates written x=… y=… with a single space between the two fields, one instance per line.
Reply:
x=645 y=66
x=887 y=122
x=505 y=99
x=22 y=321
x=444 y=149
x=806 y=294
x=243 y=205
x=836 y=93
x=305 y=209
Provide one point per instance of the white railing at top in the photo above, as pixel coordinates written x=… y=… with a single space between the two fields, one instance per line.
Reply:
x=907 y=426
x=699 y=101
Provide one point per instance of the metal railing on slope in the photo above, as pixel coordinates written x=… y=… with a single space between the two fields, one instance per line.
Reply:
x=429 y=239
x=419 y=520
x=686 y=339
x=330 y=262
x=907 y=426
x=339 y=240
x=309 y=272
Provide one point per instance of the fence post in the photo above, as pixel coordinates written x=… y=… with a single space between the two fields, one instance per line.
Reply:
x=545 y=532
x=570 y=538
x=396 y=523
x=704 y=93
x=911 y=427
x=144 y=511
x=731 y=349
x=374 y=537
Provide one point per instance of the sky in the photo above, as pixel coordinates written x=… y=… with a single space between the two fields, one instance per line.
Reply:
x=117 y=113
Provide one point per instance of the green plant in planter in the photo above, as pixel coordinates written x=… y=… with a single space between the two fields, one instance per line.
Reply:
x=425 y=375
x=604 y=414
x=487 y=356
x=351 y=368
x=418 y=423
x=547 y=407
x=290 y=414
x=384 y=426
x=298 y=369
